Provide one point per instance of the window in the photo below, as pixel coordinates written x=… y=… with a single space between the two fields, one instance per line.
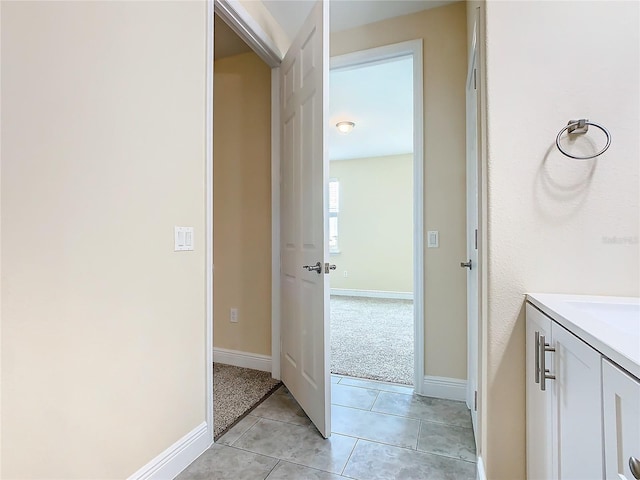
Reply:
x=334 y=208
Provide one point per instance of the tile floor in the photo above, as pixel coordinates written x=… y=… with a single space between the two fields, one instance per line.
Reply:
x=379 y=431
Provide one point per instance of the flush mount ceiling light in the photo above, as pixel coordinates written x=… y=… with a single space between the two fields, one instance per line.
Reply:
x=345 y=127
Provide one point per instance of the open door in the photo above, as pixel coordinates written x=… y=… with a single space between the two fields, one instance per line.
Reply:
x=304 y=248
x=472 y=234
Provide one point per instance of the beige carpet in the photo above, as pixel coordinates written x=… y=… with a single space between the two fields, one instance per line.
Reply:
x=236 y=391
x=372 y=338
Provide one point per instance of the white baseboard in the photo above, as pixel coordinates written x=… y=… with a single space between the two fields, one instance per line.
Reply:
x=444 y=387
x=236 y=358
x=371 y=293
x=178 y=456
x=481 y=473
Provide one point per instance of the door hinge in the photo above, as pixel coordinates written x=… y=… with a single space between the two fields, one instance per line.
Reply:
x=475 y=401
x=475 y=86
x=476 y=238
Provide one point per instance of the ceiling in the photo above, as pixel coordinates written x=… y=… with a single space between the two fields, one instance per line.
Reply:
x=378 y=98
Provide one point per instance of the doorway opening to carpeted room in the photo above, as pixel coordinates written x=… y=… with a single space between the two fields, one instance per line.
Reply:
x=371 y=219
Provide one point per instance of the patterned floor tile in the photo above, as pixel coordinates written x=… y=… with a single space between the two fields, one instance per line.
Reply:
x=297 y=444
x=374 y=461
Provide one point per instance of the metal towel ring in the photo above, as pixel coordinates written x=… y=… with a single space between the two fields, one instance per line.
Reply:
x=581 y=126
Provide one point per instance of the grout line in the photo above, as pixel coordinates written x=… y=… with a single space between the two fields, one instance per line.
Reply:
x=410 y=449
x=415 y=450
x=417 y=418
x=274 y=467
x=447 y=456
x=252 y=451
x=349 y=458
x=243 y=433
x=292 y=462
x=447 y=424
x=397 y=415
x=287 y=423
x=374 y=401
x=351 y=406
x=386 y=414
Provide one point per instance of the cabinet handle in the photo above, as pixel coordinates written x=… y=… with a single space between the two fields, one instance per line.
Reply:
x=544 y=371
x=537 y=357
x=634 y=466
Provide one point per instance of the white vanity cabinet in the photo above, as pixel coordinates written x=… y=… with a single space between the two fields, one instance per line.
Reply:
x=539 y=426
x=564 y=403
x=621 y=414
x=583 y=387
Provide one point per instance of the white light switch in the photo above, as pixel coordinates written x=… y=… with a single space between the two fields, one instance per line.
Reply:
x=433 y=239
x=183 y=238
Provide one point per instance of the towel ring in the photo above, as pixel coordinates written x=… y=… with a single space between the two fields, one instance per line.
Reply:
x=581 y=126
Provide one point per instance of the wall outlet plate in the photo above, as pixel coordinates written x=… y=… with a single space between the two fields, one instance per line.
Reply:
x=433 y=239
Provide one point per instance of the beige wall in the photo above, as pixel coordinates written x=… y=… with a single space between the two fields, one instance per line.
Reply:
x=375 y=224
x=242 y=203
x=555 y=225
x=443 y=31
x=103 y=325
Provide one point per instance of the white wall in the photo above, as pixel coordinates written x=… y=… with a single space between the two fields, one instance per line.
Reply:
x=551 y=219
x=103 y=152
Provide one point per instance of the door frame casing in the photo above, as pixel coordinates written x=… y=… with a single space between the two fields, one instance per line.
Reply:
x=379 y=54
x=208 y=234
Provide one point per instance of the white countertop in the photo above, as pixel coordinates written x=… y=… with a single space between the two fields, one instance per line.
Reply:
x=610 y=325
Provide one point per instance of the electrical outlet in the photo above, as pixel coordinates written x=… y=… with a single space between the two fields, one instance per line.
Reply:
x=233 y=315
x=345 y=274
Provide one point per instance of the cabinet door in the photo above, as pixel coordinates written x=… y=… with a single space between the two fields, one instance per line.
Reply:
x=621 y=396
x=539 y=431
x=577 y=405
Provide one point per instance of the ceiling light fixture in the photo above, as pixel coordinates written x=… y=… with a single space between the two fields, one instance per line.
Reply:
x=345 y=127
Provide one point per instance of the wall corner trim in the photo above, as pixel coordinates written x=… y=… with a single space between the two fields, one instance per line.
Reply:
x=242 y=359
x=444 y=387
x=481 y=473
x=178 y=456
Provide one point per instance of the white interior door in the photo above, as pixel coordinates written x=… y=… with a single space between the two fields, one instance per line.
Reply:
x=472 y=236
x=304 y=75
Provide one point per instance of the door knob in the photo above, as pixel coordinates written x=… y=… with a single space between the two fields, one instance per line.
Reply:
x=634 y=466
x=328 y=267
x=314 y=268
x=466 y=265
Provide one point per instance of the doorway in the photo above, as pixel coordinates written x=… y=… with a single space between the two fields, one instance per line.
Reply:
x=241 y=228
x=375 y=214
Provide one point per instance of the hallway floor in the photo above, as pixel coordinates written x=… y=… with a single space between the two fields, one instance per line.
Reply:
x=380 y=431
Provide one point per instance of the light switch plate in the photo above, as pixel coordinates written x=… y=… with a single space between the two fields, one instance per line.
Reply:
x=433 y=240
x=183 y=238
